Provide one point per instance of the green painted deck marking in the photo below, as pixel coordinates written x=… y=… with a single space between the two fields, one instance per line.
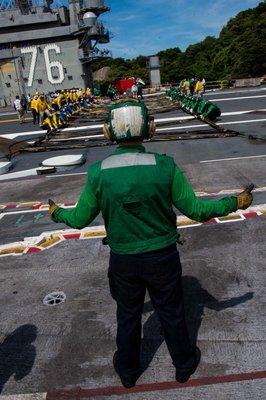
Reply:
x=37 y=218
x=19 y=221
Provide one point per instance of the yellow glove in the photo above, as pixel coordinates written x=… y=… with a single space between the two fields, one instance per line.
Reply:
x=52 y=208
x=245 y=198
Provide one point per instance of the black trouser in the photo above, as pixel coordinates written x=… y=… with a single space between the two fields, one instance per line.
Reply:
x=160 y=272
x=140 y=94
x=36 y=116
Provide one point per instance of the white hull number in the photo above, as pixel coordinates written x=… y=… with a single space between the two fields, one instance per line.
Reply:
x=50 y=65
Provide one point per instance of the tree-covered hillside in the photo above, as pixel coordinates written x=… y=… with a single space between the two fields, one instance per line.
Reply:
x=239 y=52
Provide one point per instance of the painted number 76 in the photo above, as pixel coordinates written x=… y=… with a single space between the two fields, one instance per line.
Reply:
x=33 y=50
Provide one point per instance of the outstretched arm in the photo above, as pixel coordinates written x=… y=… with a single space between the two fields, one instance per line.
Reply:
x=185 y=200
x=83 y=214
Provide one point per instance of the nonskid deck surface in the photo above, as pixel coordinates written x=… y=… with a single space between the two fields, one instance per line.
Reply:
x=69 y=347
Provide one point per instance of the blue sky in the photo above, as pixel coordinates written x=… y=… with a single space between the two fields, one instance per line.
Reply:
x=148 y=26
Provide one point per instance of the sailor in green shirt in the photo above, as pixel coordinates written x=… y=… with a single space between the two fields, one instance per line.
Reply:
x=135 y=190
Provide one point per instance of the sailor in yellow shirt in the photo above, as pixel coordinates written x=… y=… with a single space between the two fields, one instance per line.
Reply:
x=199 y=88
x=63 y=98
x=68 y=96
x=71 y=95
x=76 y=95
x=186 y=87
x=42 y=104
x=43 y=108
x=57 y=102
x=88 y=92
x=78 y=99
x=34 y=110
x=52 y=122
x=81 y=93
x=50 y=119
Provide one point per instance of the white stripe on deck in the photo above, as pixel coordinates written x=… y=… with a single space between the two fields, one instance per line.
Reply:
x=33 y=133
x=172 y=119
x=62 y=175
x=32 y=396
x=240 y=98
x=37 y=210
x=174 y=128
x=99 y=126
x=232 y=158
x=74 y=138
x=220 y=91
x=19 y=174
x=8 y=113
x=171 y=128
x=215 y=92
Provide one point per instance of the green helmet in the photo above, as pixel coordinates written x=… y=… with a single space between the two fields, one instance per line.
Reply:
x=128 y=120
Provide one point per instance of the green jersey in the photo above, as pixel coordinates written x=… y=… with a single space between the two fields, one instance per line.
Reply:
x=135 y=190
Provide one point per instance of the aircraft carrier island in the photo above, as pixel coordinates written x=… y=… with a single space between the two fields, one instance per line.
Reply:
x=46 y=46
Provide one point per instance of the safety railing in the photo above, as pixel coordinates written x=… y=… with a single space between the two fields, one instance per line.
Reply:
x=218 y=84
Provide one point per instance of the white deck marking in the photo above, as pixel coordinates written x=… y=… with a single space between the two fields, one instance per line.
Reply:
x=219 y=91
x=170 y=128
x=19 y=174
x=240 y=98
x=32 y=396
x=229 y=191
x=33 y=133
x=216 y=92
x=8 y=113
x=99 y=126
x=62 y=175
x=169 y=119
x=75 y=138
x=243 y=112
x=173 y=128
x=42 y=209
x=232 y=158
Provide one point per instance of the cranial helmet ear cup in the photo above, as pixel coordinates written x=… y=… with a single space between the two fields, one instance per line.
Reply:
x=106 y=131
x=152 y=127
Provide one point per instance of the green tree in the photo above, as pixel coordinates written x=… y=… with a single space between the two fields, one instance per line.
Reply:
x=239 y=51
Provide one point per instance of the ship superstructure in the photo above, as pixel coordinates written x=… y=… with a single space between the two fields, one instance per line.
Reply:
x=46 y=47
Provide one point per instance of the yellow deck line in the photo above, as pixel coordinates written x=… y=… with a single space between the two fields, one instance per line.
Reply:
x=2 y=121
